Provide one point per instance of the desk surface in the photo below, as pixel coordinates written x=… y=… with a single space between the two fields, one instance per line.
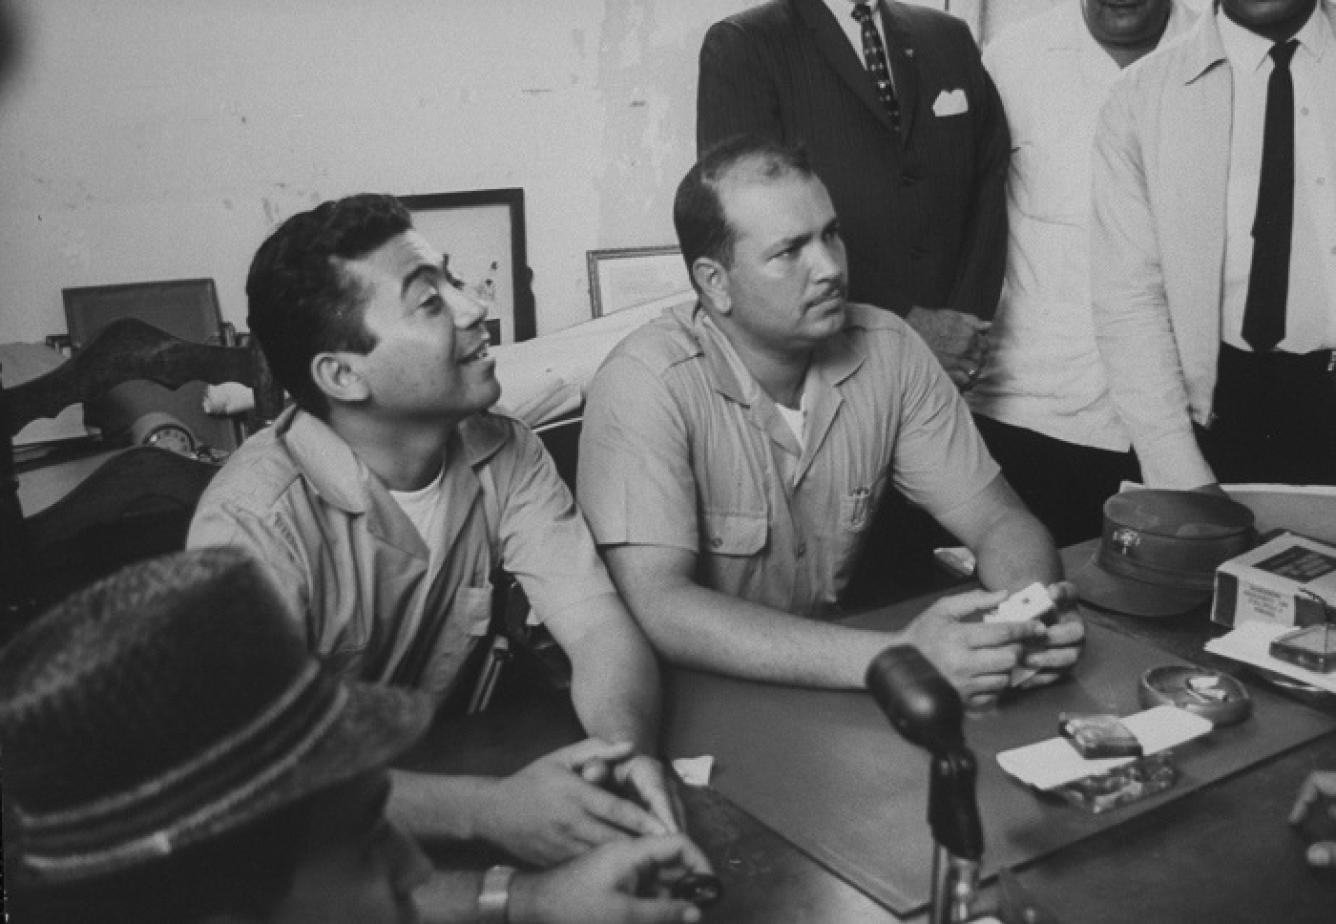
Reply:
x=1222 y=853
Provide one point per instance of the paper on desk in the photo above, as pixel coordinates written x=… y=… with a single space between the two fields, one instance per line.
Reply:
x=1250 y=642
x=694 y=771
x=1054 y=762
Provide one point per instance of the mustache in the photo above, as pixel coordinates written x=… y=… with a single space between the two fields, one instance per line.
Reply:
x=833 y=290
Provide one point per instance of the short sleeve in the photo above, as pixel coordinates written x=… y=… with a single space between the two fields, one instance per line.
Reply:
x=545 y=542
x=635 y=481
x=941 y=461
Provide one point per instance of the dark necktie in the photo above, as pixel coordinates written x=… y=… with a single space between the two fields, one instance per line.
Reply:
x=1269 y=277
x=875 y=56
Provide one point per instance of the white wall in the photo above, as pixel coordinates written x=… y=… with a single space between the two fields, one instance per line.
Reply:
x=157 y=139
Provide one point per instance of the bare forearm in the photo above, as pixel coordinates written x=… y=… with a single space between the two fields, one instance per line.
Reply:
x=1016 y=552
x=449 y=897
x=615 y=688
x=437 y=806
x=697 y=627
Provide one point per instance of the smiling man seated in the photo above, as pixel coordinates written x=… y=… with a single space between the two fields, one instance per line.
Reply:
x=174 y=755
x=385 y=498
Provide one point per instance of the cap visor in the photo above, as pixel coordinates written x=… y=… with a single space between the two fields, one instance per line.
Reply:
x=1119 y=594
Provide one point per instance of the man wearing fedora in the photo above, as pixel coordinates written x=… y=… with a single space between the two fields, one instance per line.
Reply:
x=173 y=753
x=385 y=498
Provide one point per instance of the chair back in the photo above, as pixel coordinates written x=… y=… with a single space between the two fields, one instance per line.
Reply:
x=139 y=502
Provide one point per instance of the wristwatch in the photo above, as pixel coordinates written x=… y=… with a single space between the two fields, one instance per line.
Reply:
x=494 y=896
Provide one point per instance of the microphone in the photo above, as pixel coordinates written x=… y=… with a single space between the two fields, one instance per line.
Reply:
x=926 y=710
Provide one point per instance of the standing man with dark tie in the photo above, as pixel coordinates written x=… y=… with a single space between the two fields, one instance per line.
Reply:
x=1215 y=226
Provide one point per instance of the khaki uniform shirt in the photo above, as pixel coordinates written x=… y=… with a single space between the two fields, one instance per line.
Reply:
x=676 y=451
x=350 y=561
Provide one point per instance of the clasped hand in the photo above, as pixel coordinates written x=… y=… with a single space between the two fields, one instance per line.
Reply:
x=577 y=798
x=981 y=659
x=959 y=340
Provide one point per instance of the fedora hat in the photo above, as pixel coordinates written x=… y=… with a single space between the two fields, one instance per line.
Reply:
x=168 y=704
x=1159 y=550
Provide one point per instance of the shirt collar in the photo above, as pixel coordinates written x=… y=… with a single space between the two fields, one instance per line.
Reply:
x=1247 y=51
x=343 y=480
x=832 y=362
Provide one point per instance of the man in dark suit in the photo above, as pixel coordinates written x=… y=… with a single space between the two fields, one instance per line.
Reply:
x=921 y=206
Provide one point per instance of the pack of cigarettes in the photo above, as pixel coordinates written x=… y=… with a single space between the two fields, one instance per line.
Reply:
x=1286 y=581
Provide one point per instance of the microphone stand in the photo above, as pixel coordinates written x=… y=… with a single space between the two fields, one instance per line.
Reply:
x=927 y=711
x=955 y=863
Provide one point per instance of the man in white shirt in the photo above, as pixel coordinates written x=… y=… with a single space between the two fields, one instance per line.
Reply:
x=1213 y=299
x=1042 y=403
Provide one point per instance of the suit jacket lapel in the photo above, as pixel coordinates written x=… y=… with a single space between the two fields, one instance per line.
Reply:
x=835 y=48
x=904 y=66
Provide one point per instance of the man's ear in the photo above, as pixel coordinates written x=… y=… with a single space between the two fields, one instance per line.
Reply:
x=712 y=278
x=337 y=375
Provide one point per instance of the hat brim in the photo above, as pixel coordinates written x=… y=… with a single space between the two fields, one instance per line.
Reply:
x=1121 y=594
x=372 y=727
x=377 y=724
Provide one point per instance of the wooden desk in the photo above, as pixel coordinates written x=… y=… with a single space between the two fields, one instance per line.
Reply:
x=1222 y=854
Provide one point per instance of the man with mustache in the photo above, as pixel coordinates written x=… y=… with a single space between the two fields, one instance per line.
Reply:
x=383 y=501
x=734 y=452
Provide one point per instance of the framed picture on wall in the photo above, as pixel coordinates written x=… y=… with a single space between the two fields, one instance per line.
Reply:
x=481 y=232
x=627 y=276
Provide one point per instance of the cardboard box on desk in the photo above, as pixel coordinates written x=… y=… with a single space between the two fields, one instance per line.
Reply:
x=1284 y=581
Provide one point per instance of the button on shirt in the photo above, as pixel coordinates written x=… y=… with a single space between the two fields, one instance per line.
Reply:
x=1310 y=317
x=1044 y=371
x=679 y=451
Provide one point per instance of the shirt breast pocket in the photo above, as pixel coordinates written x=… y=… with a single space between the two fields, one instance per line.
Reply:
x=735 y=533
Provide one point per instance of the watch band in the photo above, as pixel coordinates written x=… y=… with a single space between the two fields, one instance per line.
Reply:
x=494 y=896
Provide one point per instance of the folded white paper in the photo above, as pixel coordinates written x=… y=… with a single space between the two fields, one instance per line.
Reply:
x=1054 y=762
x=694 y=771
x=1250 y=643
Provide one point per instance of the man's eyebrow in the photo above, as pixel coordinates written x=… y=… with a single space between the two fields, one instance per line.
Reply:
x=418 y=272
x=785 y=243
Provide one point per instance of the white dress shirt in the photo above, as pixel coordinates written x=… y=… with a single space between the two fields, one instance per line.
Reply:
x=1310 y=317
x=1044 y=372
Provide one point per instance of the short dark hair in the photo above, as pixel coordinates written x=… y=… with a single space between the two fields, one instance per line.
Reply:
x=698 y=213
x=301 y=300
x=246 y=871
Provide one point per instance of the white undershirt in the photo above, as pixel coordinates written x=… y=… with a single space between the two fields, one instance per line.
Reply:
x=1310 y=316
x=425 y=509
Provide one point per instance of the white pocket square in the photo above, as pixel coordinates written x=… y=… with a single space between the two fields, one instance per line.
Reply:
x=949 y=103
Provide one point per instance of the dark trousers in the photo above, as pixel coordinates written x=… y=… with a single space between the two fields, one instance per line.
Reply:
x=1064 y=484
x=1274 y=418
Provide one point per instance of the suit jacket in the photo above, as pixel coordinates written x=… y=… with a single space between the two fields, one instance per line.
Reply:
x=1161 y=169
x=923 y=211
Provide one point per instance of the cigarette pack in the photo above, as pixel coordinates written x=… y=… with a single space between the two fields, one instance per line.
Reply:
x=1286 y=581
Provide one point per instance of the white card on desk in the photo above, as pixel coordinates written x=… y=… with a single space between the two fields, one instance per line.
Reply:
x=1054 y=762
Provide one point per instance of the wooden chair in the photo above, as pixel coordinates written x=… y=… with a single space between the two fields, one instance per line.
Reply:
x=136 y=504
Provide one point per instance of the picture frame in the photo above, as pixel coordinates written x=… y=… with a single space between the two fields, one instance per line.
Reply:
x=481 y=232
x=622 y=277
